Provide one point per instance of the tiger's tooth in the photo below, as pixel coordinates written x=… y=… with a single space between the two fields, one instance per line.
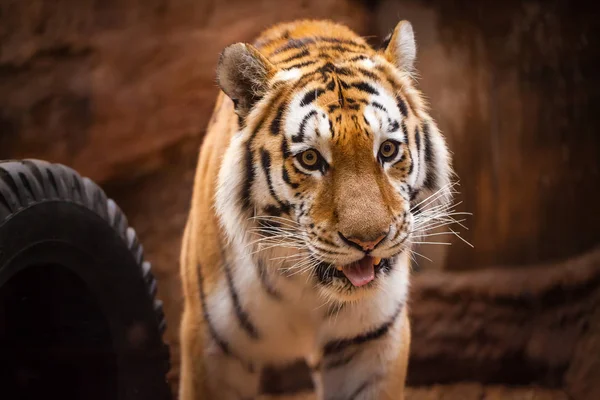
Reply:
x=338 y=267
x=376 y=260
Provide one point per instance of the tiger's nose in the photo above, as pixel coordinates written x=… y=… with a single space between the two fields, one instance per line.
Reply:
x=363 y=243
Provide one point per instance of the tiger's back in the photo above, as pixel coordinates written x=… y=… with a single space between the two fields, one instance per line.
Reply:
x=307 y=90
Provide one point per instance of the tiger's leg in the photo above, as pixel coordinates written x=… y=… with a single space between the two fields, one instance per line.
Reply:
x=209 y=371
x=191 y=384
x=192 y=374
x=209 y=367
x=366 y=371
x=394 y=386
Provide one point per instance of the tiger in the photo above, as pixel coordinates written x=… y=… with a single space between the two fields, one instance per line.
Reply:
x=318 y=159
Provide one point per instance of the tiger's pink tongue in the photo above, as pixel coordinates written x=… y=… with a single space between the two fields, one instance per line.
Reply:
x=360 y=273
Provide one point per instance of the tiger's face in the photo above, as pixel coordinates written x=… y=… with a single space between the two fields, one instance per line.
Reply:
x=331 y=161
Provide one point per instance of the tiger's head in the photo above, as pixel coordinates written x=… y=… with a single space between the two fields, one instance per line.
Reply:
x=334 y=154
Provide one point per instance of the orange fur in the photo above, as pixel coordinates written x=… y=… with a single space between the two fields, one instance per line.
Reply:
x=364 y=197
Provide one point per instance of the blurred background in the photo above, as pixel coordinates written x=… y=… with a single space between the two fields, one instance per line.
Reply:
x=122 y=91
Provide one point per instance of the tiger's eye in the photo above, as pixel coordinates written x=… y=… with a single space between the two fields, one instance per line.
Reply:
x=388 y=149
x=310 y=158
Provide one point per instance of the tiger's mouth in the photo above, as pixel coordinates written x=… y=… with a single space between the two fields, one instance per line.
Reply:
x=358 y=273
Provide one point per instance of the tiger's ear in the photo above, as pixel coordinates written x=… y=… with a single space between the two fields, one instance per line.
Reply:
x=399 y=46
x=243 y=74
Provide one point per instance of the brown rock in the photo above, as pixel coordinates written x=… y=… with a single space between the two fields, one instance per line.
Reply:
x=105 y=88
x=512 y=85
x=514 y=326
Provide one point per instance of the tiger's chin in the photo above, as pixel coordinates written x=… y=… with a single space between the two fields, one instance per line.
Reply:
x=352 y=281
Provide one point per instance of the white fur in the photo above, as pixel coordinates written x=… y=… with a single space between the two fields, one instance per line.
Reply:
x=230 y=181
x=297 y=326
x=406 y=47
x=288 y=75
x=293 y=119
x=367 y=63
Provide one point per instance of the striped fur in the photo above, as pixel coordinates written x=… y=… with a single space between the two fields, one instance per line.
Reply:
x=267 y=226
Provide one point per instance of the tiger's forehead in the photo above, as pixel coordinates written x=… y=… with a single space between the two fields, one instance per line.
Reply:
x=334 y=88
x=341 y=110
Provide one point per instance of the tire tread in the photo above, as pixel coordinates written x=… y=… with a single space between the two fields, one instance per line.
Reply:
x=24 y=183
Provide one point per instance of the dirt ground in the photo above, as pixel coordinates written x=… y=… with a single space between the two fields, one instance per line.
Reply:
x=475 y=391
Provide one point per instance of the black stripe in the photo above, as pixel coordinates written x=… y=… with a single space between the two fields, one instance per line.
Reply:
x=402 y=106
x=293 y=44
x=394 y=126
x=300 y=54
x=300 y=65
x=338 y=47
x=328 y=67
x=430 y=177
x=341 y=100
x=275 y=127
x=273 y=211
x=308 y=77
x=331 y=131
x=285 y=149
x=335 y=346
x=365 y=87
x=354 y=119
x=343 y=71
x=380 y=106
x=404 y=131
x=300 y=136
x=265 y=158
x=286 y=178
x=222 y=343
x=326 y=242
x=400 y=231
x=302 y=42
x=418 y=146
x=245 y=192
x=341 y=41
x=358 y=58
x=367 y=73
x=428 y=149
x=249 y=163
x=311 y=96
x=330 y=85
x=324 y=250
x=242 y=316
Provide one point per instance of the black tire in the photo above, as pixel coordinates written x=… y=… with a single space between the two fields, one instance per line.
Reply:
x=78 y=314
